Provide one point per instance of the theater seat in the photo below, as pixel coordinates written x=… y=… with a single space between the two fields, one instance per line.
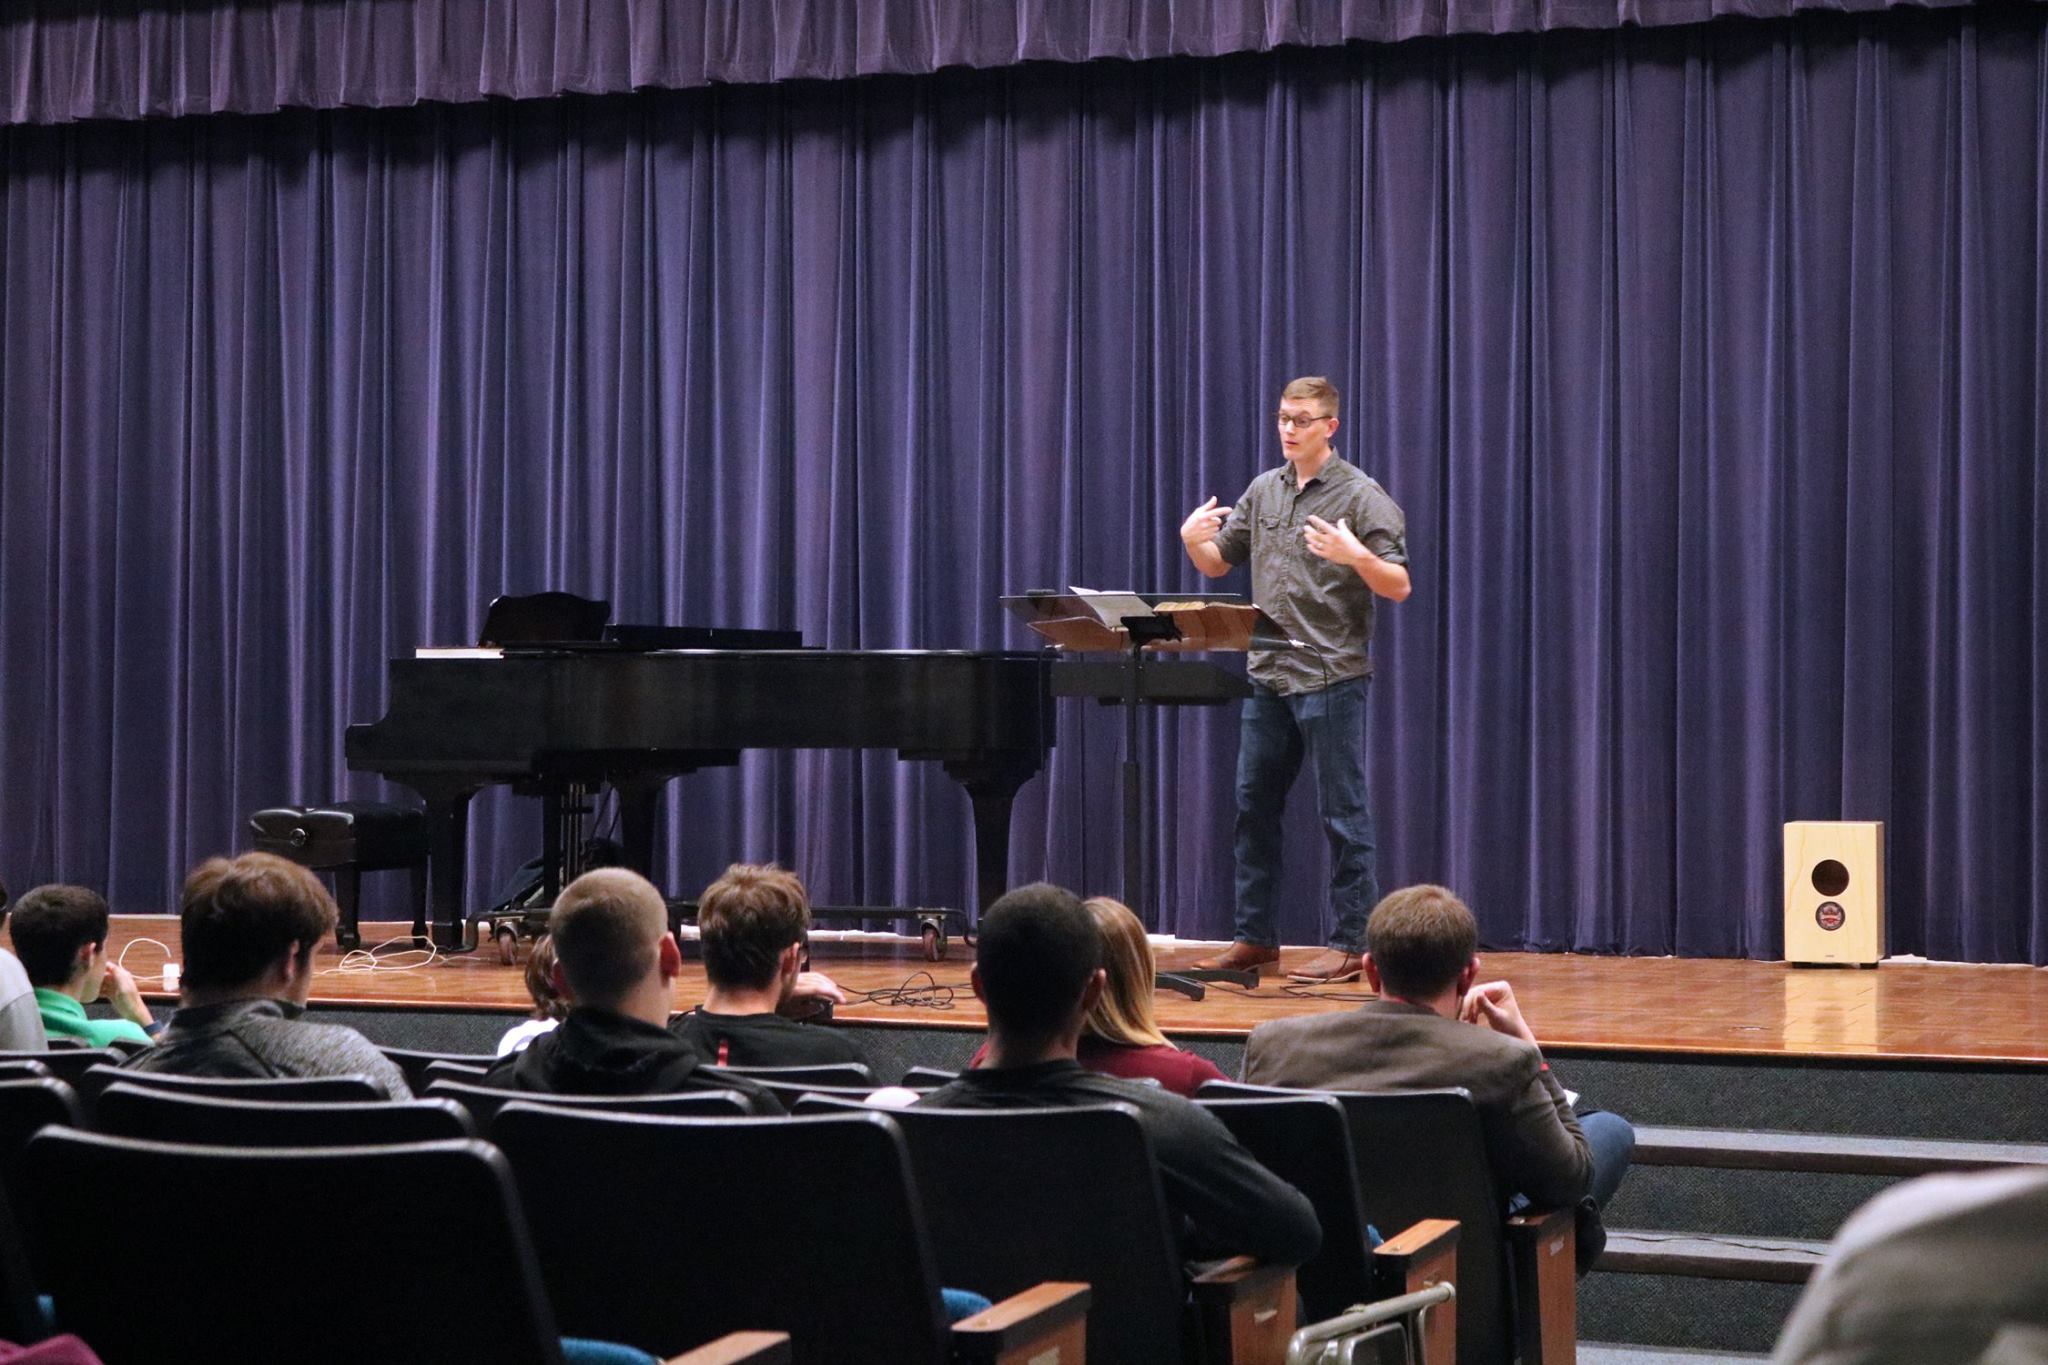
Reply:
x=484 y=1101
x=67 y=1064
x=303 y=1089
x=845 y=1074
x=141 y=1111
x=414 y=1063
x=1422 y=1156
x=649 y=1229
x=1016 y=1196
x=254 y=1248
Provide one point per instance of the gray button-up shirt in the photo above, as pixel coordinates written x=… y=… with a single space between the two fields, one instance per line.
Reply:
x=1326 y=605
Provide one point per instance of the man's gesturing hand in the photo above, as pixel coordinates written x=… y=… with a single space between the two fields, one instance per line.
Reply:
x=1493 y=1004
x=1203 y=523
x=1334 y=543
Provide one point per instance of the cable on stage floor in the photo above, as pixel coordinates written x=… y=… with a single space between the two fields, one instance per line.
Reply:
x=929 y=993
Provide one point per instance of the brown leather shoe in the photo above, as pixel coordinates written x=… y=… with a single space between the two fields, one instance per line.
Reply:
x=1239 y=957
x=1329 y=967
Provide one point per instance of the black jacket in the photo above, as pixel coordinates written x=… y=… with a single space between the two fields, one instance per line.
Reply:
x=596 y=1052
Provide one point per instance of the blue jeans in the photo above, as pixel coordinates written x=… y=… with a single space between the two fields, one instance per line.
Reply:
x=1327 y=727
x=1612 y=1141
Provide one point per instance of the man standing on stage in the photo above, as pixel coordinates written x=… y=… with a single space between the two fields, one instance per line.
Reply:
x=1323 y=540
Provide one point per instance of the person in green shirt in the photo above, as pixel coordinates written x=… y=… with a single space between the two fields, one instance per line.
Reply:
x=60 y=933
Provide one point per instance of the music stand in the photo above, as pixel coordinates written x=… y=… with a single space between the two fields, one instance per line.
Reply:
x=1134 y=625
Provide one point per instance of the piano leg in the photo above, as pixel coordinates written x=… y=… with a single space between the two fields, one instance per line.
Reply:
x=992 y=784
x=447 y=854
x=639 y=805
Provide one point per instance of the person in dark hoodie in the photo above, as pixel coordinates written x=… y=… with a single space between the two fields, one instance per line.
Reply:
x=616 y=959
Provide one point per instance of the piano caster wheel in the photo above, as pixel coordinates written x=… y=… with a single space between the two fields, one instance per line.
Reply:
x=934 y=943
x=346 y=941
x=507 y=939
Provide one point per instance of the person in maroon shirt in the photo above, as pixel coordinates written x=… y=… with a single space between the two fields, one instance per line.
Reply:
x=1122 y=1037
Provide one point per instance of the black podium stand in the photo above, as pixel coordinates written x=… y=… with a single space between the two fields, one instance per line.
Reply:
x=1135 y=625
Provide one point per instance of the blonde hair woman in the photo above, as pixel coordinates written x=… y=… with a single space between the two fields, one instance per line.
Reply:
x=1121 y=1035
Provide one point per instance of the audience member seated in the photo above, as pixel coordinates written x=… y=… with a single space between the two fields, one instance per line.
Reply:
x=616 y=962
x=61 y=934
x=1121 y=1035
x=1039 y=971
x=21 y=1022
x=1422 y=959
x=550 y=1006
x=250 y=927
x=1942 y=1270
x=752 y=923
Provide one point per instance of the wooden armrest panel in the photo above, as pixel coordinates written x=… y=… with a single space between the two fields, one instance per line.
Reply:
x=1238 y=1276
x=1247 y=1307
x=1420 y=1255
x=1544 y=1249
x=739 y=1348
x=1047 y=1324
x=1421 y=1242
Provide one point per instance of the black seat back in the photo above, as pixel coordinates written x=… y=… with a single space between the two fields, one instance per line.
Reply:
x=254 y=1255
x=843 y=1074
x=663 y=1232
x=27 y=1105
x=68 y=1064
x=141 y=1111
x=1305 y=1140
x=304 y=1089
x=415 y=1063
x=1423 y=1155
x=1420 y=1155
x=21 y=1317
x=1017 y=1196
x=445 y=1069
x=928 y=1077
x=484 y=1101
x=789 y=1092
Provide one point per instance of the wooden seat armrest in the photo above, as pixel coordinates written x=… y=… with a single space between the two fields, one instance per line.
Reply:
x=1532 y=1225
x=1238 y=1276
x=1419 y=1243
x=1247 y=1307
x=1422 y=1254
x=739 y=1348
x=1544 y=1248
x=1047 y=1322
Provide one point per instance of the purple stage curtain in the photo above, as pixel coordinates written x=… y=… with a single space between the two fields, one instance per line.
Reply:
x=1707 y=363
x=124 y=59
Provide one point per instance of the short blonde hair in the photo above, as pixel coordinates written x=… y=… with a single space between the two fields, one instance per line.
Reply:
x=1124 y=1013
x=1313 y=388
x=607 y=926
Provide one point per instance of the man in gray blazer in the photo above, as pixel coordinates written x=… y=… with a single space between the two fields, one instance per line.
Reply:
x=1434 y=1026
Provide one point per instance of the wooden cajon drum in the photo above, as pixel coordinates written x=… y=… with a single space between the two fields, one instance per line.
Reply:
x=1834 y=893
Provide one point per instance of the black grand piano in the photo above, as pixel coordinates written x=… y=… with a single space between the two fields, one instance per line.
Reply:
x=632 y=714
x=635 y=720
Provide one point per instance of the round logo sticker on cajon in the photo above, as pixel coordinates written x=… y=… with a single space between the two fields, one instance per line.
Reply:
x=1830 y=915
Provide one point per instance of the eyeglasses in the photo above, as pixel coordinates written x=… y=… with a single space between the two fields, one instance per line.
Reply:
x=1293 y=420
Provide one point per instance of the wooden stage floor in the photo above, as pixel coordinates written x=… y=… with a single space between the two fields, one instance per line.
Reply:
x=1904 y=1010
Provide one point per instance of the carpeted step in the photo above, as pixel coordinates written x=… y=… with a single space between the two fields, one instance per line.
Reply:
x=1825 y=1152
x=1766 y=1260
x=1609 y=1353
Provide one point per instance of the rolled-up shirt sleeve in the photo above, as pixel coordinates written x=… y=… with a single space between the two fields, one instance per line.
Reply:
x=1234 y=537
x=1380 y=525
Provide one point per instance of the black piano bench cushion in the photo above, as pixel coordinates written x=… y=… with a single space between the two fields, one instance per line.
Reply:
x=368 y=835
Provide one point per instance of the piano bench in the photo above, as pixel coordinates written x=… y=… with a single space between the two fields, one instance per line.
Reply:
x=349 y=838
